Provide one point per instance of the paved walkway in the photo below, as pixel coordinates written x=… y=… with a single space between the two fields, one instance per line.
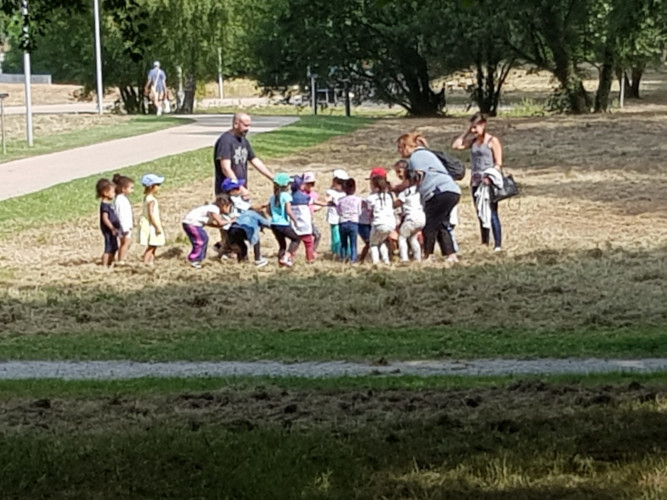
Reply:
x=116 y=370
x=39 y=172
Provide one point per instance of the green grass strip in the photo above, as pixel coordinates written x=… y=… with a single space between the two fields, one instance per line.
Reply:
x=53 y=143
x=76 y=198
x=363 y=344
x=152 y=386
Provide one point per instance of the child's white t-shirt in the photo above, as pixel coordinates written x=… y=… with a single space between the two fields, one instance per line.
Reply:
x=240 y=204
x=303 y=219
x=200 y=216
x=332 y=212
x=382 y=205
x=412 y=204
x=123 y=209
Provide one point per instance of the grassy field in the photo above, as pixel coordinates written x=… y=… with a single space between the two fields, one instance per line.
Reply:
x=74 y=199
x=60 y=132
x=582 y=272
x=518 y=439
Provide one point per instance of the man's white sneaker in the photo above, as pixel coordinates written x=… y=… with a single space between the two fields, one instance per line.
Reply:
x=261 y=262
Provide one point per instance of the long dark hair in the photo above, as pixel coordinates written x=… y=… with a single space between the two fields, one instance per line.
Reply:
x=381 y=184
x=350 y=187
x=121 y=182
x=478 y=118
x=276 y=194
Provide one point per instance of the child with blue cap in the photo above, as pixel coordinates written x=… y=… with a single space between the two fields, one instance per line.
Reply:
x=151 y=232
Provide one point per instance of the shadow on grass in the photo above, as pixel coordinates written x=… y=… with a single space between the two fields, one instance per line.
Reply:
x=547 y=303
x=526 y=442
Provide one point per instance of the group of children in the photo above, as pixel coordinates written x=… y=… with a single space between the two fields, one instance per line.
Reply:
x=388 y=215
x=117 y=220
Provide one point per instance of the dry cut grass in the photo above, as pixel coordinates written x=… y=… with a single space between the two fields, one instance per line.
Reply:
x=529 y=440
x=584 y=243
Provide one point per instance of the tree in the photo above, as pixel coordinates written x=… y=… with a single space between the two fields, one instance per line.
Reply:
x=551 y=34
x=642 y=37
x=396 y=47
x=476 y=36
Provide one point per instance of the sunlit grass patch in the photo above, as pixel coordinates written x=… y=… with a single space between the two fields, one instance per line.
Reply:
x=76 y=198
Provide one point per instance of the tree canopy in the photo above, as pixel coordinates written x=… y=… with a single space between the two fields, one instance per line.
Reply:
x=394 y=51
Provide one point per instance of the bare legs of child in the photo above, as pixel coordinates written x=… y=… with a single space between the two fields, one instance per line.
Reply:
x=125 y=243
x=148 y=257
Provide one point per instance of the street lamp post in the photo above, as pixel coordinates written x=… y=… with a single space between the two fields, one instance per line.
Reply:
x=98 y=56
x=27 y=73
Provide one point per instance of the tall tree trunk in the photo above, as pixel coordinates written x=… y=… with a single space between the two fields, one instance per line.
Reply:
x=132 y=100
x=604 y=81
x=490 y=79
x=189 y=98
x=422 y=100
x=637 y=73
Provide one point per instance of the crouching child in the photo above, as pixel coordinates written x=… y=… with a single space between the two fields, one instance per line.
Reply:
x=245 y=230
x=209 y=214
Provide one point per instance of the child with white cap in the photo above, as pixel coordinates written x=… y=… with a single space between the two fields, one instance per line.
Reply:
x=151 y=233
x=335 y=193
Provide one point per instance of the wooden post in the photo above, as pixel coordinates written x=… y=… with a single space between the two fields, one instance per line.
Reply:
x=621 y=98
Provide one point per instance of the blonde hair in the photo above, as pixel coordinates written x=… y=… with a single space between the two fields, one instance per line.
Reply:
x=412 y=141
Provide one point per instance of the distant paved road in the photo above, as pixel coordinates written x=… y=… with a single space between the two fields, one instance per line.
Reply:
x=39 y=172
x=116 y=370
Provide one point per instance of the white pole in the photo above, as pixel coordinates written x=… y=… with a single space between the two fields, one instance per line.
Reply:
x=621 y=99
x=98 y=57
x=27 y=75
x=221 y=92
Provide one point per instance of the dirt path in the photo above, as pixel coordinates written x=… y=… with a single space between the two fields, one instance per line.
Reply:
x=39 y=172
x=115 y=370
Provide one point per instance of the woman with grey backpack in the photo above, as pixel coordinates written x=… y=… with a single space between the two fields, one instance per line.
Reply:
x=438 y=190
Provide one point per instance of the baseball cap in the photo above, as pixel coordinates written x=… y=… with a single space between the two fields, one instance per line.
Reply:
x=149 y=180
x=377 y=172
x=308 y=177
x=231 y=184
x=341 y=174
x=282 y=179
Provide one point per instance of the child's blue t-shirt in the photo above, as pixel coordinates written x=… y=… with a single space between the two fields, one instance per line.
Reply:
x=278 y=210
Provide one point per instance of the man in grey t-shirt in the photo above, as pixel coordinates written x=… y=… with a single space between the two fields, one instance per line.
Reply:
x=232 y=152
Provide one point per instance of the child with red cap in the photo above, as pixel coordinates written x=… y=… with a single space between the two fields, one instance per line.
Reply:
x=381 y=204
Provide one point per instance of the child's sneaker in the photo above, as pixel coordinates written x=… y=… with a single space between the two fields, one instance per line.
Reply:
x=261 y=262
x=285 y=261
x=196 y=264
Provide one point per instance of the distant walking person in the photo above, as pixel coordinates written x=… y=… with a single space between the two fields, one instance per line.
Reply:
x=232 y=152
x=486 y=154
x=156 y=87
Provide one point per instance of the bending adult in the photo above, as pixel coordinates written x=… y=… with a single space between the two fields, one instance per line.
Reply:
x=232 y=152
x=439 y=193
x=486 y=153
